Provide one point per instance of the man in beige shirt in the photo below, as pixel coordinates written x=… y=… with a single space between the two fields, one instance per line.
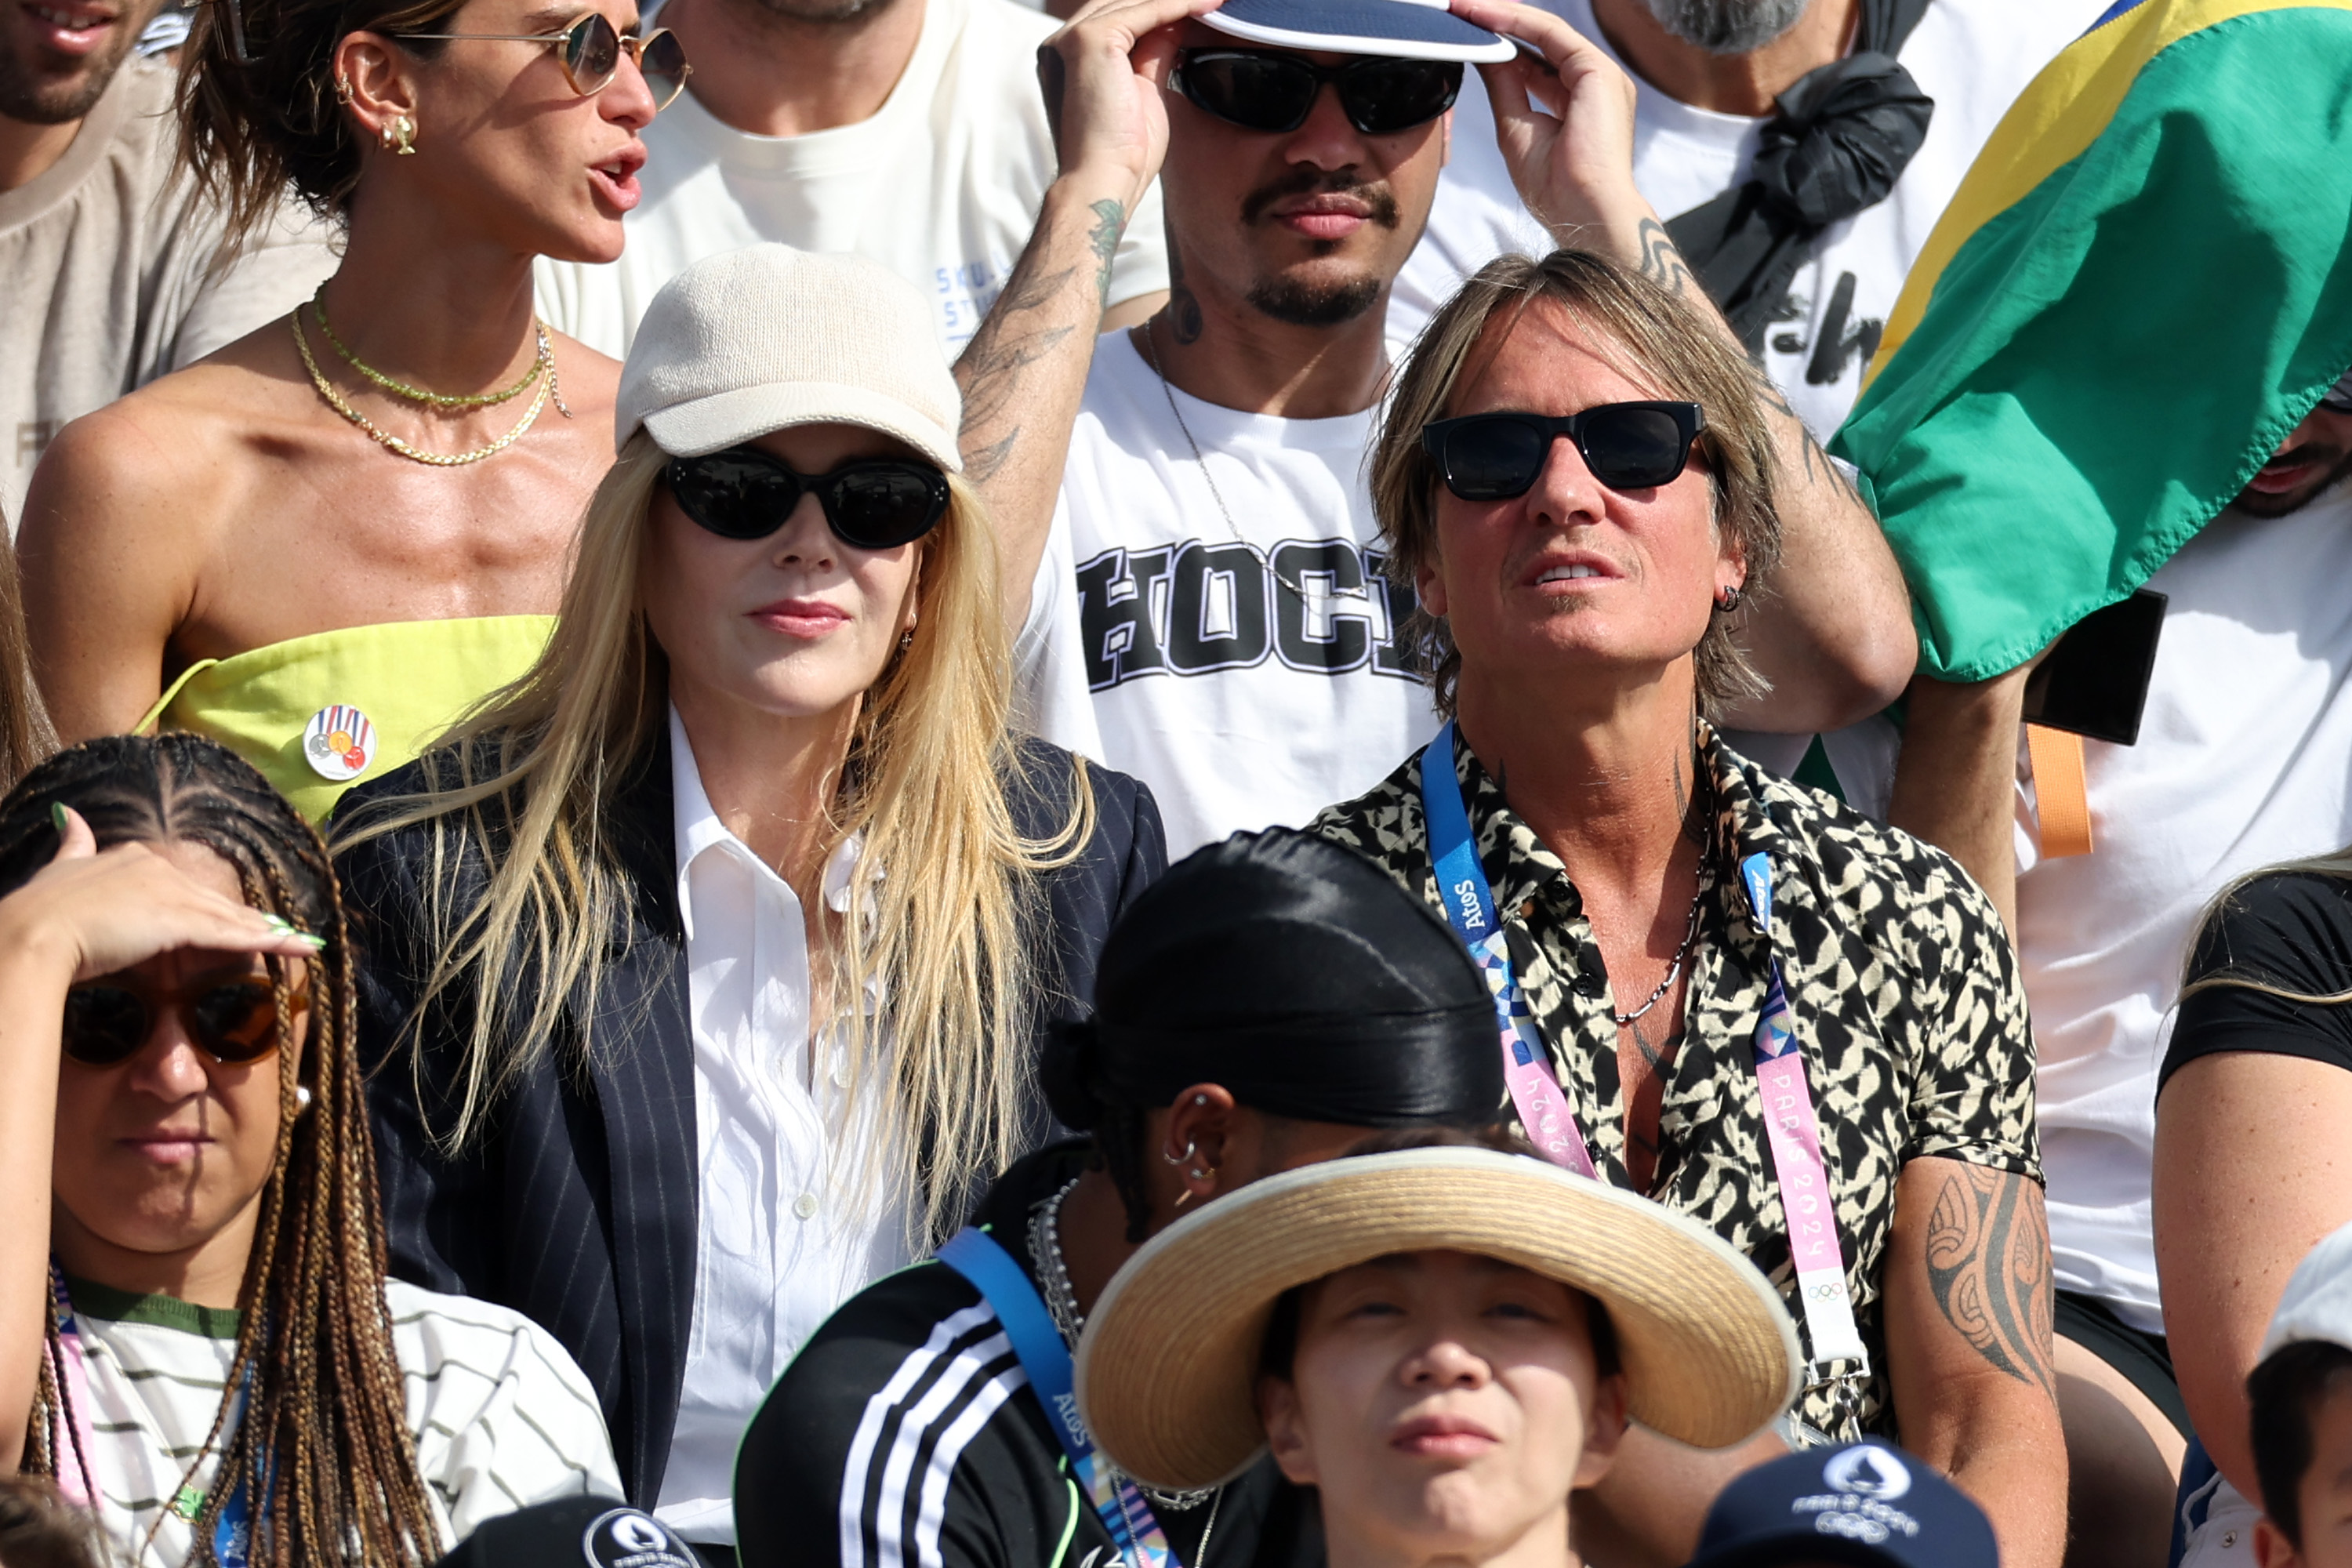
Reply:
x=111 y=259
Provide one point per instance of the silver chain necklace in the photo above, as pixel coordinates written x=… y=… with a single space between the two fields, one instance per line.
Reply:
x=1151 y=356
x=1062 y=1303
x=1690 y=935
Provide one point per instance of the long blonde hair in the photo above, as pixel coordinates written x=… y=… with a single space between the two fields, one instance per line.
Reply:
x=527 y=782
x=2336 y=864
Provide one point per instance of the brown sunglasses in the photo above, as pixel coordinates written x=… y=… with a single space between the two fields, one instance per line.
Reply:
x=590 y=51
x=231 y=1020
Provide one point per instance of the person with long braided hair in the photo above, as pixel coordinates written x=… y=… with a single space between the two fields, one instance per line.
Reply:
x=200 y=1345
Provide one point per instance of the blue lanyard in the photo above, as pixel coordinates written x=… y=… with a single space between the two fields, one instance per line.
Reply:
x=1045 y=1359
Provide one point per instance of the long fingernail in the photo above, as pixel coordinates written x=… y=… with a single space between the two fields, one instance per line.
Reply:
x=57 y=815
x=318 y=944
x=280 y=924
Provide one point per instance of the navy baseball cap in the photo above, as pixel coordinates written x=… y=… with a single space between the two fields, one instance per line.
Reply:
x=1404 y=29
x=574 y=1532
x=1866 y=1503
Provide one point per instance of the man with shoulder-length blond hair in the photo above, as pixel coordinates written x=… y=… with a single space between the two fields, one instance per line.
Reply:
x=1720 y=989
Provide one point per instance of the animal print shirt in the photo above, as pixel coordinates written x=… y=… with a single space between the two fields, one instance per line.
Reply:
x=1905 y=991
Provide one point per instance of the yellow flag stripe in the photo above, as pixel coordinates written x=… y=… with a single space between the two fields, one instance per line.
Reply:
x=2053 y=123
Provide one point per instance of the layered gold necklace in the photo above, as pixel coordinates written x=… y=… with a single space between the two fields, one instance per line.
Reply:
x=543 y=365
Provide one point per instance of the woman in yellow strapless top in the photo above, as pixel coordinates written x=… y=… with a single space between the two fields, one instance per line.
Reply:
x=323 y=543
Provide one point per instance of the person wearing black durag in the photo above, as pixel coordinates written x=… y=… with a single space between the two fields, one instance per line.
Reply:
x=1272 y=1001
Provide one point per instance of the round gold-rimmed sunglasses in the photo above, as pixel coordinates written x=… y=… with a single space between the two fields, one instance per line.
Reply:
x=590 y=49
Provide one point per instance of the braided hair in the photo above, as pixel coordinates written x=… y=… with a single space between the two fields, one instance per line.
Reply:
x=323 y=1441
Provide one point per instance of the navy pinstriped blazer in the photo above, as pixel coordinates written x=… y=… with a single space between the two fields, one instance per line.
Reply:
x=579 y=1207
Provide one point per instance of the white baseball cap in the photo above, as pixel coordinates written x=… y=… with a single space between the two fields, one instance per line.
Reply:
x=2319 y=1300
x=768 y=337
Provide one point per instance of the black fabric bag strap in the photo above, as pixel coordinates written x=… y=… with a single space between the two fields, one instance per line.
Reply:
x=1843 y=136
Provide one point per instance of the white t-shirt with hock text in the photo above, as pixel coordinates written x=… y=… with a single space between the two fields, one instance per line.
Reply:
x=941 y=184
x=1973 y=58
x=1219 y=628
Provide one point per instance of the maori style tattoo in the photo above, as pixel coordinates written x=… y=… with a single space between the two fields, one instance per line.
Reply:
x=1005 y=345
x=1183 y=307
x=1988 y=1267
x=1110 y=222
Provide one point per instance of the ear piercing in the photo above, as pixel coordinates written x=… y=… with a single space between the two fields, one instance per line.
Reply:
x=398 y=136
x=1728 y=600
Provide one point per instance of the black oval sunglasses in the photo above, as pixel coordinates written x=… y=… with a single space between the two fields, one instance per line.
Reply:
x=871 y=503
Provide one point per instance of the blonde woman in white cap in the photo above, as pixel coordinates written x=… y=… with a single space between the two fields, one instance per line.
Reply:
x=1445 y=1342
x=708 y=956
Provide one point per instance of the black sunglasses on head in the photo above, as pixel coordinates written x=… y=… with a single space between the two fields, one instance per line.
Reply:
x=1260 y=89
x=1628 y=446
x=234 y=1021
x=873 y=503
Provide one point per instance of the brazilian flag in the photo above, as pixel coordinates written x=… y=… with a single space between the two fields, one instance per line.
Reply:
x=2141 y=287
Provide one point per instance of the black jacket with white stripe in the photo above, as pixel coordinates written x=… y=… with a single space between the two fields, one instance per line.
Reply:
x=906 y=1436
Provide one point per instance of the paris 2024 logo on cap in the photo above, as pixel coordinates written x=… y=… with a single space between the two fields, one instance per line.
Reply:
x=1864 y=1481
x=626 y=1538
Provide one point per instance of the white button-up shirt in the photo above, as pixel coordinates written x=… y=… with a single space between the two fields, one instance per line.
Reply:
x=792 y=1224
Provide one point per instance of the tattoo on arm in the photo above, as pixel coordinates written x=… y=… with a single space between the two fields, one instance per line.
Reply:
x=1988 y=1267
x=990 y=369
x=1662 y=263
x=1110 y=222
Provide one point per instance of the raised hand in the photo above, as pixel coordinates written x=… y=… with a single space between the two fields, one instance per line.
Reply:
x=1102 y=75
x=1570 y=153
x=103 y=912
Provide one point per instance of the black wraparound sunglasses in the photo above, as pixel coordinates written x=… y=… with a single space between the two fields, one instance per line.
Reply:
x=874 y=503
x=234 y=1021
x=1628 y=446
x=591 y=49
x=1259 y=90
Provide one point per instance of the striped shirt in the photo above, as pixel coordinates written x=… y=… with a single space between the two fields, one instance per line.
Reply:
x=501 y=1415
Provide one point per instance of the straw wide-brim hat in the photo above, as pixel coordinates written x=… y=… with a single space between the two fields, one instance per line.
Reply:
x=1168 y=1368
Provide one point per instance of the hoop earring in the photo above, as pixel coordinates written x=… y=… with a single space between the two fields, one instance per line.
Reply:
x=1728 y=600
x=398 y=136
x=1177 y=1159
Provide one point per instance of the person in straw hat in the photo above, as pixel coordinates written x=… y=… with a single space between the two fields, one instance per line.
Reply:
x=1445 y=1342
x=1272 y=1001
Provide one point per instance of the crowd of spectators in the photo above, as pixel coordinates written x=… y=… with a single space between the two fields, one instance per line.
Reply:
x=1196 y=783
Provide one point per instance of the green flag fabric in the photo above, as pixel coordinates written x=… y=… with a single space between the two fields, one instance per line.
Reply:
x=2141 y=288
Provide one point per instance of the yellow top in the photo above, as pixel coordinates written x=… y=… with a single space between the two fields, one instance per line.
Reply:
x=321 y=714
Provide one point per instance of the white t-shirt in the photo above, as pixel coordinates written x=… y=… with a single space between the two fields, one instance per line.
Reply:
x=1972 y=58
x=941 y=184
x=794 y=1222
x=500 y=1414
x=1159 y=641
x=2244 y=760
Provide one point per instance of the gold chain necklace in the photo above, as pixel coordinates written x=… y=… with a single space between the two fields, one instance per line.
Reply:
x=419 y=394
x=393 y=442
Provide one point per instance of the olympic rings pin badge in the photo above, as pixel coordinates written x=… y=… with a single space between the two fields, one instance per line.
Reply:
x=338 y=742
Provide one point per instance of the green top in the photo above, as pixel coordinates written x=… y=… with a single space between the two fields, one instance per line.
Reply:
x=93 y=1299
x=379 y=696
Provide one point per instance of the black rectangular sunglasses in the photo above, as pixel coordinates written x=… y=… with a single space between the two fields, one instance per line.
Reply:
x=873 y=503
x=1261 y=89
x=1628 y=446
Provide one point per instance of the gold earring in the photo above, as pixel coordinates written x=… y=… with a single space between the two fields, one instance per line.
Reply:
x=399 y=135
x=343 y=88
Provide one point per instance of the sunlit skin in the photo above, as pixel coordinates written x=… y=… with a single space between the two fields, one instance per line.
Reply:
x=1320 y=208
x=1444 y=1404
x=2325 y=1494
x=2315 y=455
x=1649 y=562
x=797 y=624
x=523 y=161
x=160 y=1161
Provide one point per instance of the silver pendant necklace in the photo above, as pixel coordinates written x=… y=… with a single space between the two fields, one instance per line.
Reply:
x=1690 y=935
x=1062 y=1303
x=1152 y=357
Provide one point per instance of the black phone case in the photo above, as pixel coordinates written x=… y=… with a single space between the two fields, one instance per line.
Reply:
x=2094 y=682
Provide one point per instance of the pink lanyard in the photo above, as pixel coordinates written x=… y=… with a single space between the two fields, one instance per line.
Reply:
x=1791 y=1127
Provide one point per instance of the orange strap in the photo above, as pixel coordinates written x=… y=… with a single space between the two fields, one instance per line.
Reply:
x=2059 y=797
